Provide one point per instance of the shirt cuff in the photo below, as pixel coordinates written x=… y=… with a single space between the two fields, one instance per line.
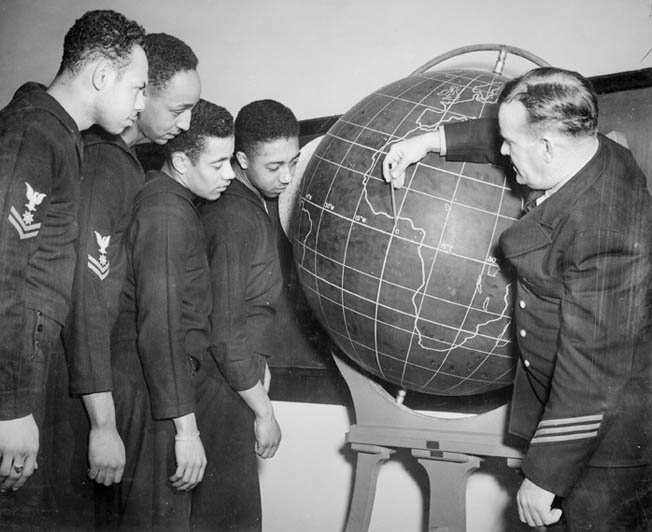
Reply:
x=442 y=141
x=15 y=404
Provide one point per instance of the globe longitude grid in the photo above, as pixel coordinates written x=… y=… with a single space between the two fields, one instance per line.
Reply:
x=393 y=284
x=423 y=164
x=424 y=245
x=357 y=109
x=414 y=192
x=364 y=196
x=393 y=325
x=418 y=307
x=471 y=81
x=475 y=320
x=456 y=343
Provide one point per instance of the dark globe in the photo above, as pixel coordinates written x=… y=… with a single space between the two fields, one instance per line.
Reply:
x=423 y=302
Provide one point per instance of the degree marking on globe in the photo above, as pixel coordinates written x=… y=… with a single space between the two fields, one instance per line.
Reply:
x=342 y=166
x=422 y=164
x=450 y=97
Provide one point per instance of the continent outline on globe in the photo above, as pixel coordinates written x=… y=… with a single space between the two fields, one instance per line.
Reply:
x=358 y=292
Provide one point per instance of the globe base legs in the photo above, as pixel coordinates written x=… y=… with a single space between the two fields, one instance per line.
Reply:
x=448 y=449
x=447 y=477
x=369 y=460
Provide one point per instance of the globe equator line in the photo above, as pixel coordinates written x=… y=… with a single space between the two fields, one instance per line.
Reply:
x=395 y=285
x=471 y=334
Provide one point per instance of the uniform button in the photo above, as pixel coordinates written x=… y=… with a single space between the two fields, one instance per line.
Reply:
x=522 y=333
x=39 y=327
x=526 y=363
x=521 y=303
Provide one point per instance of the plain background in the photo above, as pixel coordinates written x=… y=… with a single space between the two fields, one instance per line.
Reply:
x=320 y=57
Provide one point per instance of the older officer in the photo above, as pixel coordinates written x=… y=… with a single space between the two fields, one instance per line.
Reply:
x=582 y=256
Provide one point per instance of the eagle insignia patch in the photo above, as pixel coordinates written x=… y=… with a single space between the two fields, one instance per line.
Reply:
x=100 y=266
x=24 y=223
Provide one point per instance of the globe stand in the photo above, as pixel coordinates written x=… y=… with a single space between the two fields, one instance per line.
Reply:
x=448 y=449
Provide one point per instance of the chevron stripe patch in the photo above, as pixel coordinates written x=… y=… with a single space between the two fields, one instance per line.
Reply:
x=567 y=429
x=24 y=230
x=101 y=271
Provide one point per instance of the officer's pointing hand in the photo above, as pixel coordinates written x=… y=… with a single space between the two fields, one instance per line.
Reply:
x=407 y=152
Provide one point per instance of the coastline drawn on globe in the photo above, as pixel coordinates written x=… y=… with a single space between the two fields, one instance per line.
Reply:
x=436 y=355
x=485 y=94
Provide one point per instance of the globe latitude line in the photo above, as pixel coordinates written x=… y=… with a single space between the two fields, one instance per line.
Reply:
x=355 y=211
x=335 y=166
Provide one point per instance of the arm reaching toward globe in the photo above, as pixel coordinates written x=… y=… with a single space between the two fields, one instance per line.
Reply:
x=477 y=140
x=407 y=152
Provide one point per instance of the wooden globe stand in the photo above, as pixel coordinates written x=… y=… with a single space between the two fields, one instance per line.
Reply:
x=448 y=449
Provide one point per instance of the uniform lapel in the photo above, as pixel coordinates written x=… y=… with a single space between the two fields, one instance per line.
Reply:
x=536 y=228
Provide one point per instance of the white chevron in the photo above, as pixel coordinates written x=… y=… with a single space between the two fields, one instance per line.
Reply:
x=101 y=271
x=24 y=231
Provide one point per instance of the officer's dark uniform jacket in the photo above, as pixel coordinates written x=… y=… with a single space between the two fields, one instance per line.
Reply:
x=40 y=161
x=582 y=388
x=112 y=177
x=166 y=301
x=247 y=282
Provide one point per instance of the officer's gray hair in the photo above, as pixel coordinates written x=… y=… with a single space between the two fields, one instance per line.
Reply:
x=555 y=98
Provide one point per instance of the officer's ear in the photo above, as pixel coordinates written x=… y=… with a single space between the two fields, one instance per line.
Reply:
x=547 y=148
x=180 y=162
x=242 y=159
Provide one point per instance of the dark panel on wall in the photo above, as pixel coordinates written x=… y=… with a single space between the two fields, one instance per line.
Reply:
x=630 y=113
x=302 y=368
x=305 y=371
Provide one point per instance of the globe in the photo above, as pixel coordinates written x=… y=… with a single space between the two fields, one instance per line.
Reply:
x=418 y=296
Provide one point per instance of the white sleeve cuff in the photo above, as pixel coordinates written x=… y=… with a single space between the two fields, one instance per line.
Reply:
x=442 y=141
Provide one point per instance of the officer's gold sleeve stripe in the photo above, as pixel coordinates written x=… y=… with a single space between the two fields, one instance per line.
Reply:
x=571 y=420
x=568 y=437
x=557 y=430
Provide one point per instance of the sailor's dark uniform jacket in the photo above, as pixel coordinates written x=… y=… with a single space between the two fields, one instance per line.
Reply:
x=40 y=162
x=166 y=301
x=112 y=178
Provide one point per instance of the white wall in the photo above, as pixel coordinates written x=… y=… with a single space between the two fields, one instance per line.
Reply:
x=319 y=57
